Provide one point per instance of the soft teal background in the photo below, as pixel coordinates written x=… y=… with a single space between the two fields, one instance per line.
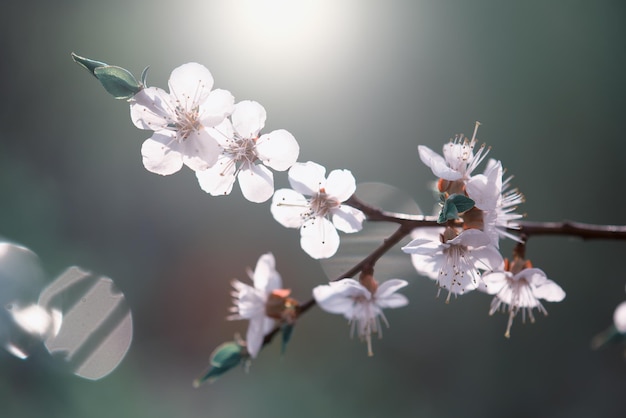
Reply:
x=360 y=85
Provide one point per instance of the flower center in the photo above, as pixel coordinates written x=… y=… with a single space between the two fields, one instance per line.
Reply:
x=321 y=203
x=187 y=122
x=241 y=149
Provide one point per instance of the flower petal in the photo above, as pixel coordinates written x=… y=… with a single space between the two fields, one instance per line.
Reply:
x=348 y=219
x=487 y=257
x=340 y=184
x=256 y=182
x=265 y=276
x=151 y=109
x=485 y=189
x=200 y=151
x=223 y=133
x=319 y=238
x=219 y=179
x=471 y=238
x=389 y=287
x=278 y=149
x=190 y=84
x=158 y=157
x=288 y=208
x=255 y=335
x=307 y=178
x=393 y=301
x=338 y=297
x=494 y=282
x=248 y=118
x=544 y=288
x=219 y=104
x=437 y=164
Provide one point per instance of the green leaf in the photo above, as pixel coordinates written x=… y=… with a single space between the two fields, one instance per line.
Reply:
x=448 y=211
x=452 y=206
x=286 y=331
x=462 y=202
x=224 y=357
x=88 y=64
x=117 y=81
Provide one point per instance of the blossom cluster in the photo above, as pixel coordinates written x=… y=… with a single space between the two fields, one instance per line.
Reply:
x=222 y=142
x=463 y=253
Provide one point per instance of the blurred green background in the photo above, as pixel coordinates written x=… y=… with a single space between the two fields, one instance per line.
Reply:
x=360 y=84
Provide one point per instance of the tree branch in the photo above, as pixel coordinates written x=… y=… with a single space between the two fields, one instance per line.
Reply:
x=409 y=222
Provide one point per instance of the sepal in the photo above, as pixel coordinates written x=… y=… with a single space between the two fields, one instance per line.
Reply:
x=224 y=357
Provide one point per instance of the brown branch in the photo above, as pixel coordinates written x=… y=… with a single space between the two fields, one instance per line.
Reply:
x=409 y=222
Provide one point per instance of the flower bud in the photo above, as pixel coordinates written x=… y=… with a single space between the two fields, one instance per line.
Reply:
x=117 y=81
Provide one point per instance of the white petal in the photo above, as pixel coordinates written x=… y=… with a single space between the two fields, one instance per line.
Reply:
x=223 y=133
x=422 y=246
x=437 y=164
x=494 y=282
x=250 y=301
x=471 y=238
x=200 y=151
x=393 y=301
x=319 y=238
x=190 y=84
x=307 y=178
x=219 y=179
x=278 y=149
x=485 y=190
x=288 y=208
x=255 y=335
x=389 y=287
x=256 y=182
x=487 y=257
x=151 y=109
x=265 y=276
x=339 y=297
x=348 y=219
x=340 y=184
x=158 y=157
x=216 y=107
x=543 y=288
x=248 y=119
x=619 y=317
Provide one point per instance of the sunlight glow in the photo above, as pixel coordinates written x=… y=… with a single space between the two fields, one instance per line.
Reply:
x=269 y=34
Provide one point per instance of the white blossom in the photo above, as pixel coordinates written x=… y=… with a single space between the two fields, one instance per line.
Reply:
x=362 y=308
x=520 y=288
x=458 y=160
x=321 y=213
x=180 y=120
x=457 y=262
x=245 y=155
x=492 y=195
x=250 y=301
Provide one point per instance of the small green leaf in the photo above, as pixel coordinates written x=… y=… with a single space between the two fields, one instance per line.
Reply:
x=452 y=206
x=448 y=211
x=286 y=331
x=462 y=202
x=224 y=357
x=88 y=64
x=144 y=76
x=117 y=81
